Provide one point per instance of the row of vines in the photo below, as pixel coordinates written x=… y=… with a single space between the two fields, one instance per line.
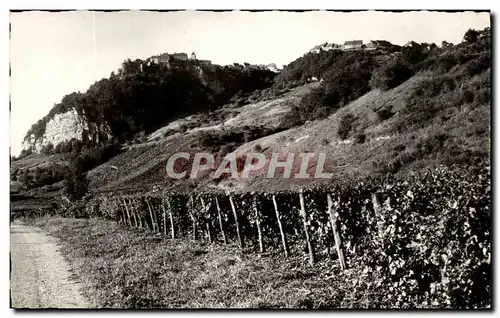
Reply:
x=427 y=236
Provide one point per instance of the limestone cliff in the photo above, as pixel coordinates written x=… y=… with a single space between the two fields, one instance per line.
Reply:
x=64 y=127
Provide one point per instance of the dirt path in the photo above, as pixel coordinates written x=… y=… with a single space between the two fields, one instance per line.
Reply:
x=40 y=277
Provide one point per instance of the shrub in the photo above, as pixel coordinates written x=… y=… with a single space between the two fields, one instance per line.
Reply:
x=207 y=140
x=432 y=143
x=482 y=97
x=360 y=138
x=47 y=149
x=385 y=113
x=435 y=85
x=77 y=209
x=25 y=152
x=391 y=75
x=313 y=105
x=37 y=174
x=414 y=55
x=13 y=174
x=345 y=125
x=91 y=156
x=24 y=176
x=478 y=65
x=183 y=128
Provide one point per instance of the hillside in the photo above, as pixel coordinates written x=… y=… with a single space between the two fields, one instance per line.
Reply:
x=143 y=165
x=434 y=111
x=375 y=146
x=373 y=113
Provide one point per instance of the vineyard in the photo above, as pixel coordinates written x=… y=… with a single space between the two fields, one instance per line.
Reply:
x=424 y=240
x=418 y=241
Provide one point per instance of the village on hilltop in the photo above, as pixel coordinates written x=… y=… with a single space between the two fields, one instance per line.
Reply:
x=167 y=58
x=358 y=45
x=172 y=58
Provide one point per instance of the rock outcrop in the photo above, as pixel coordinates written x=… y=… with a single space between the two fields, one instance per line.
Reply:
x=67 y=126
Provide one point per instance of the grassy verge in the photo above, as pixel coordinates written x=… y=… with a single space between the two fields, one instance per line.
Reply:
x=130 y=268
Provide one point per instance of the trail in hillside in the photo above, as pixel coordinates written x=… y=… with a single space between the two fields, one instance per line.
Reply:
x=39 y=276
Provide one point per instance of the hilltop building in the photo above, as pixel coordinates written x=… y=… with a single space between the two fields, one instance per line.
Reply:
x=378 y=44
x=325 y=47
x=162 y=58
x=167 y=58
x=180 y=56
x=353 y=45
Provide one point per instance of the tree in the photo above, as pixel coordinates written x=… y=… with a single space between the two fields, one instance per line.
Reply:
x=391 y=74
x=75 y=182
x=13 y=174
x=25 y=177
x=345 y=125
x=414 y=55
x=471 y=36
x=37 y=174
x=47 y=149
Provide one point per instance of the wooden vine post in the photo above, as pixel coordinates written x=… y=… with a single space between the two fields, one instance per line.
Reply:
x=125 y=214
x=164 y=216
x=134 y=215
x=120 y=214
x=119 y=203
x=283 y=237
x=193 y=217
x=240 y=238
x=327 y=231
x=220 y=221
x=119 y=217
x=336 y=236
x=207 y=218
x=123 y=218
x=310 y=246
x=128 y=214
x=155 y=216
x=151 y=215
x=171 y=216
x=133 y=212
x=137 y=205
x=257 y=222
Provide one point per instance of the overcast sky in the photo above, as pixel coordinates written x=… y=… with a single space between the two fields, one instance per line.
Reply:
x=54 y=54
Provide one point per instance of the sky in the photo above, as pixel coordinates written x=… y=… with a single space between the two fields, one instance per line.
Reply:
x=56 y=53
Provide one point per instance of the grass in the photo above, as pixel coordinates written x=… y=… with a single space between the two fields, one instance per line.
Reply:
x=130 y=268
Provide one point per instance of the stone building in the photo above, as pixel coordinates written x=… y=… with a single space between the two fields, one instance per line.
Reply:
x=353 y=45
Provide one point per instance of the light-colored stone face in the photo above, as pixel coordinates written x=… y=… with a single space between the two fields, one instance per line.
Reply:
x=63 y=127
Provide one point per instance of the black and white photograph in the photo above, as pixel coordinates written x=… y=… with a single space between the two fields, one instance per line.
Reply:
x=250 y=159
